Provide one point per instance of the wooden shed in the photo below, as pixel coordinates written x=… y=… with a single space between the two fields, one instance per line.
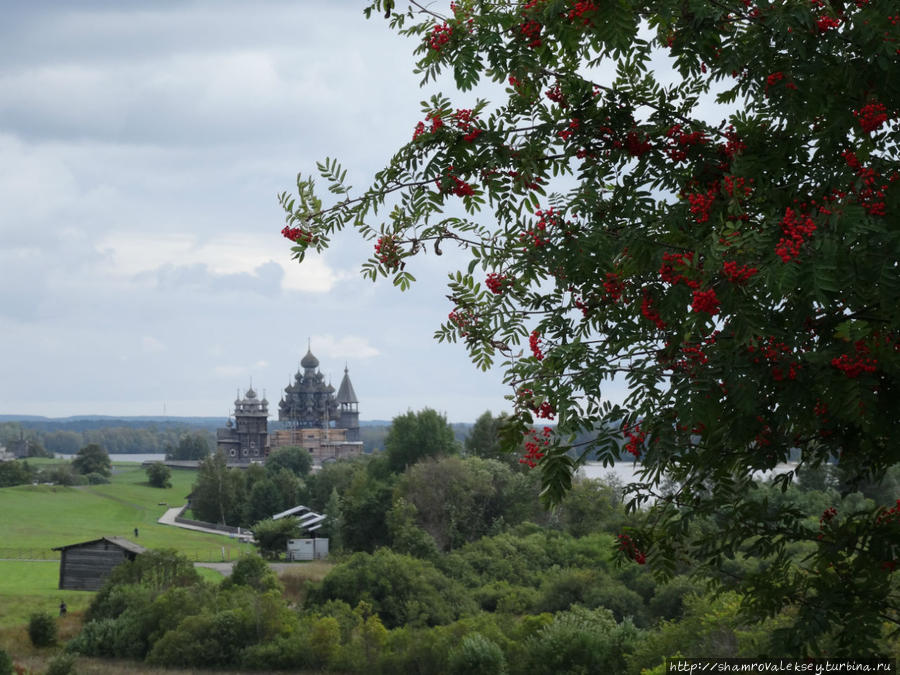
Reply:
x=85 y=566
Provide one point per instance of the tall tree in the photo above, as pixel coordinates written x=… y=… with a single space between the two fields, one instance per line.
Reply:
x=92 y=459
x=215 y=496
x=484 y=438
x=417 y=435
x=741 y=276
x=298 y=460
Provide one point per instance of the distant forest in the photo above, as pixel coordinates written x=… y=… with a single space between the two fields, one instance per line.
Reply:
x=131 y=435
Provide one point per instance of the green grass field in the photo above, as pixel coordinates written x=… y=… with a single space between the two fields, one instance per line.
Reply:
x=38 y=518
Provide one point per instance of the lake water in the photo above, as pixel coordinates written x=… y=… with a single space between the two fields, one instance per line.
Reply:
x=627 y=471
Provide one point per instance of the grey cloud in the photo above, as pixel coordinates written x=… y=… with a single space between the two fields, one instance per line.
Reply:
x=265 y=279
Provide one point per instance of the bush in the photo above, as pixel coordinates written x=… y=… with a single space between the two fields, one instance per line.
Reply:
x=251 y=570
x=477 y=655
x=62 y=664
x=6 y=664
x=96 y=478
x=42 y=629
x=158 y=475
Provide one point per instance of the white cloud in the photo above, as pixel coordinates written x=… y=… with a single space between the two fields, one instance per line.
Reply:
x=134 y=255
x=350 y=347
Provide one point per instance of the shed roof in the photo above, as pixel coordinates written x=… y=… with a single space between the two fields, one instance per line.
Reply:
x=121 y=542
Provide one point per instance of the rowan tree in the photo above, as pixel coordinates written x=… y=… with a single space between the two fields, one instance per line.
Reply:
x=695 y=198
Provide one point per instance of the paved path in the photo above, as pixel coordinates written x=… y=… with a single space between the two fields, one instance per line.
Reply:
x=168 y=518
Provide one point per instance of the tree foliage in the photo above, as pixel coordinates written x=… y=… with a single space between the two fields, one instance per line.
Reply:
x=414 y=436
x=158 y=475
x=298 y=460
x=217 y=496
x=92 y=459
x=695 y=200
x=272 y=536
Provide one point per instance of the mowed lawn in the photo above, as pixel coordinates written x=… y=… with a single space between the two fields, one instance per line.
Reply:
x=29 y=587
x=37 y=518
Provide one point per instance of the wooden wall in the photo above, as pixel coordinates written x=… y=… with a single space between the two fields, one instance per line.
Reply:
x=86 y=567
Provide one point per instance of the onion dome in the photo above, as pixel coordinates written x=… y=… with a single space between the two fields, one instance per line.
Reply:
x=309 y=361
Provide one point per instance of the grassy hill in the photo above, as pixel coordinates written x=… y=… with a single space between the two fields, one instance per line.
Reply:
x=37 y=518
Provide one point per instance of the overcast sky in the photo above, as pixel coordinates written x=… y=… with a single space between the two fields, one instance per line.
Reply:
x=142 y=145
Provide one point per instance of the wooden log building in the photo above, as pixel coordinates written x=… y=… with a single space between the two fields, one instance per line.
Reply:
x=85 y=566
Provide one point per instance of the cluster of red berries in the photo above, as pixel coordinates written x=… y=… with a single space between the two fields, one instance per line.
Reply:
x=581 y=9
x=613 y=287
x=733 y=144
x=635 y=145
x=797 y=229
x=531 y=31
x=463 y=319
x=775 y=78
x=387 y=251
x=871 y=116
x=705 y=301
x=496 y=283
x=825 y=23
x=692 y=358
x=297 y=234
x=737 y=184
x=538 y=233
x=648 y=311
x=534 y=342
x=461 y=188
x=701 y=202
x=628 y=547
x=440 y=35
x=872 y=195
x=555 y=94
x=566 y=133
x=436 y=123
x=859 y=363
x=679 y=142
x=682 y=261
x=535 y=444
x=636 y=437
x=780 y=357
x=738 y=275
x=463 y=119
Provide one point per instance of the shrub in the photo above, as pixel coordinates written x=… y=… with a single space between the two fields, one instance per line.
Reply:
x=251 y=570
x=95 y=478
x=62 y=664
x=42 y=629
x=6 y=664
x=477 y=655
x=158 y=475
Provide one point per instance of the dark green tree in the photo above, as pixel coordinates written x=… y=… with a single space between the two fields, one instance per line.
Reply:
x=298 y=460
x=415 y=436
x=272 y=536
x=158 y=475
x=92 y=459
x=484 y=439
x=216 y=495
x=14 y=473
